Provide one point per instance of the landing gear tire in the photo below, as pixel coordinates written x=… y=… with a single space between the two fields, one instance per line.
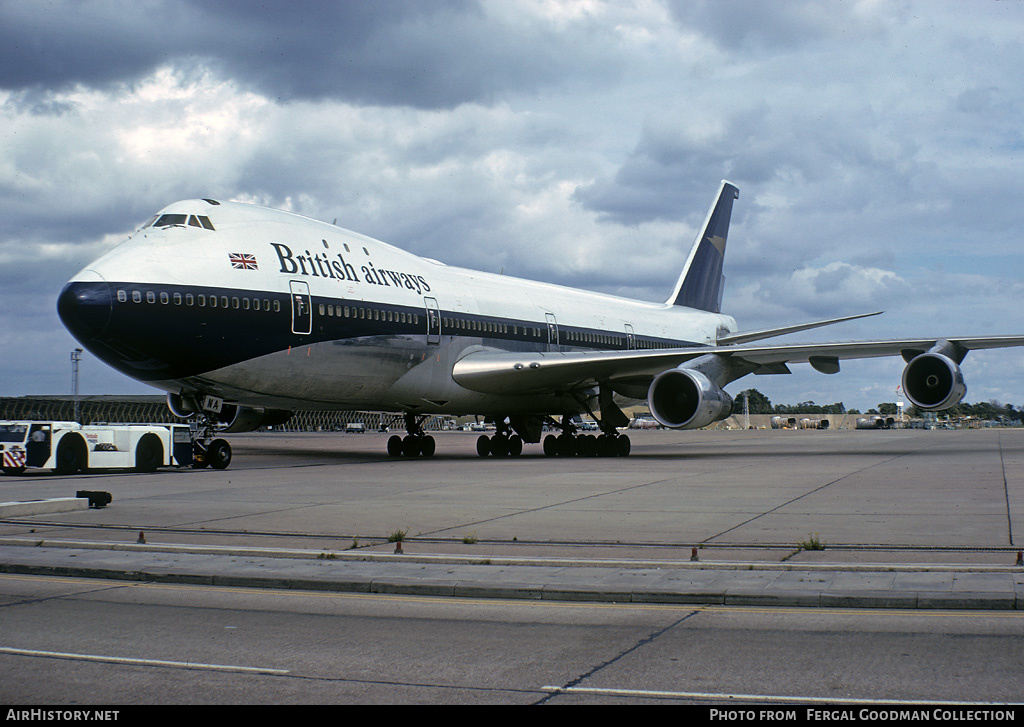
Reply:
x=410 y=446
x=219 y=454
x=483 y=445
x=499 y=445
x=566 y=445
x=550 y=445
x=587 y=446
x=515 y=445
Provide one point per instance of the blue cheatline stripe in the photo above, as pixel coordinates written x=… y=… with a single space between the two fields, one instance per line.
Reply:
x=163 y=337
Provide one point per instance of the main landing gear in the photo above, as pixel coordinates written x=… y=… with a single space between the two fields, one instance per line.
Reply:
x=504 y=443
x=587 y=445
x=416 y=443
x=571 y=444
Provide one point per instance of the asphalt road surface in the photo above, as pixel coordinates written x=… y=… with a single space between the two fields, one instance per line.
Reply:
x=79 y=641
x=943 y=497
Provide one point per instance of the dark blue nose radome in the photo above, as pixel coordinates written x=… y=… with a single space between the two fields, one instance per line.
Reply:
x=84 y=306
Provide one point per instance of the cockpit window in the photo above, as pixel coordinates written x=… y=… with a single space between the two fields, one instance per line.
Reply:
x=168 y=220
x=171 y=220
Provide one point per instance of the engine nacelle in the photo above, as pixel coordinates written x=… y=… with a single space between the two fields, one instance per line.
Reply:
x=932 y=381
x=238 y=418
x=687 y=399
x=182 y=406
x=248 y=419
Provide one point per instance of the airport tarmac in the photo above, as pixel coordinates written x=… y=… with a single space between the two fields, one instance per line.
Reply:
x=885 y=519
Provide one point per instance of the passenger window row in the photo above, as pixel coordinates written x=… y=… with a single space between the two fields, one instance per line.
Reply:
x=468 y=324
x=202 y=300
x=450 y=325
x=373 y=314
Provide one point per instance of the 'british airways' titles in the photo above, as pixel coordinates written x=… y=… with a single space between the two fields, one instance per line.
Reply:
x=321 y=265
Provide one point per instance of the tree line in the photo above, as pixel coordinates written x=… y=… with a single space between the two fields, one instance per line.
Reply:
x=760 y=404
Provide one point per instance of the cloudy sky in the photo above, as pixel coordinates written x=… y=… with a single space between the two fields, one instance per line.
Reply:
x=877 y=146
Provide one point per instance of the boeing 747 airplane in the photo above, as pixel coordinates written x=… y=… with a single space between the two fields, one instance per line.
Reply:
x=243 y=314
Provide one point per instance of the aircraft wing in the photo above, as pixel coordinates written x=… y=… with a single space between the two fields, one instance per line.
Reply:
x=527 y=373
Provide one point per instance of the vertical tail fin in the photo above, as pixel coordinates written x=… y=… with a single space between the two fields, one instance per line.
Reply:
x=700 y=284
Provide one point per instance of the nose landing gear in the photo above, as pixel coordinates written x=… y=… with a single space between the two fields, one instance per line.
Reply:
x=214 y=453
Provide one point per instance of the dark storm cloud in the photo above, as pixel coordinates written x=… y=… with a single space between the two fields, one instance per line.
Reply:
x=434 y=54
x=56 y=45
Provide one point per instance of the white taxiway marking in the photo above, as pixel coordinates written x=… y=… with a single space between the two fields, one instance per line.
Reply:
x=142 y=662
x=754 y=697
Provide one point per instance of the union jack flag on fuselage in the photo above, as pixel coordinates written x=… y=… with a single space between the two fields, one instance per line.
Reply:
x=242 y=261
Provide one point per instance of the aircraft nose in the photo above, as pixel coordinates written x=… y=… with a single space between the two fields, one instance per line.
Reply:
x=84 y=305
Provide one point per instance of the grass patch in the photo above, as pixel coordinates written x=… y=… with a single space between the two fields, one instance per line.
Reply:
x=813 y=542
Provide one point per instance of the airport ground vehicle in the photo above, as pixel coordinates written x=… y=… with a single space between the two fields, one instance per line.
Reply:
x=70 y=447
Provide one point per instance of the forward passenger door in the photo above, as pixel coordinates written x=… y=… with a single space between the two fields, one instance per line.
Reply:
x=552 y=331
x=302 y=308
x=433 y=321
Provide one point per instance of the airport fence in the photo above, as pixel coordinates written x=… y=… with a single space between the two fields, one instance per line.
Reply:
x=153 y=410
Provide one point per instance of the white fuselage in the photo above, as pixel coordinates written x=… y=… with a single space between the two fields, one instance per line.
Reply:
x=265 y=308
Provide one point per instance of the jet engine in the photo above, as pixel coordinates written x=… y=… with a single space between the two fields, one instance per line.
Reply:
x=932 y=381
x=687 y=399
x=248 y=419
